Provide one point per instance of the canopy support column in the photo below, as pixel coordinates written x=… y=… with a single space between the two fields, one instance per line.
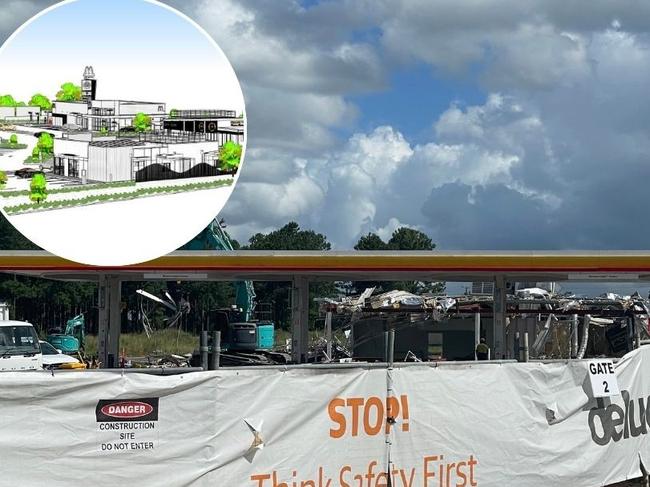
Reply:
x=299 y=319
x=499 y=320
x=109 y=298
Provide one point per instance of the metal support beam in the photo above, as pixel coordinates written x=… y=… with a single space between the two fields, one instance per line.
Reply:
x=109 y=297
x=477 y=332
x=328 y=334
x=215 y=354
x=299 y=319
x=526 y=355
x=574 y=336
x=499 y=321
x=204 y=349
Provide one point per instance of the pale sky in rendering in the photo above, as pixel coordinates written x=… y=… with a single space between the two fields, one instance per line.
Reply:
x=139 y=51
x=492 y=124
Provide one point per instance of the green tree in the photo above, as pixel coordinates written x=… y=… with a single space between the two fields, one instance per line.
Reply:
x=39 y=100
x=38 y=188
x=12 y=239
x=69 y=92
x=45 y=145
x=3 y=179
x=13 y=139
x=289 y=237
x=142 y=122
x=403 y=238
x=230 y=156
x=48 y=303
x=36 y=152
x=7 y=101
x=371 y=241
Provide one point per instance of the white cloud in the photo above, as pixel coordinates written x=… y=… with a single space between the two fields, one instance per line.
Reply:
x=274 y=59
x=386 y=232
x=379 y=154
x=556 y=155
x=263 y=204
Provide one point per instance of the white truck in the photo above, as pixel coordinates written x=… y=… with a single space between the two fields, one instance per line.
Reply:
x=19 y=347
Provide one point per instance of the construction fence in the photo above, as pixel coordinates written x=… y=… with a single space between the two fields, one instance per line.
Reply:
x=425 y=425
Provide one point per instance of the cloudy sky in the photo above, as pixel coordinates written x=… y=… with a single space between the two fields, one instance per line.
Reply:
x=488 y=124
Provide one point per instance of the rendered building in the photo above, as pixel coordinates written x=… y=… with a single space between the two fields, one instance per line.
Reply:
x=94 y=140
x=109 y=159
x=22 y=114
x=182 y=144
x=95 y=115
x=218 y=125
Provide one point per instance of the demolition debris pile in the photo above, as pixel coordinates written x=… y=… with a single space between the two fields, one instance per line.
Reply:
x=441 y=327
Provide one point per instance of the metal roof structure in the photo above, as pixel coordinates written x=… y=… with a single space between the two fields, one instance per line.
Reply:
x=194 y=114
x=116 y=143
x=302 y=267
x=352 y=265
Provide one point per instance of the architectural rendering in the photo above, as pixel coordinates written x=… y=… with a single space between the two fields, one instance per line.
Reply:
x=112 y=149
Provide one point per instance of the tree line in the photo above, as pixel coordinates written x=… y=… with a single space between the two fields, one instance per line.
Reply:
x=68 y=92
x=48 y=304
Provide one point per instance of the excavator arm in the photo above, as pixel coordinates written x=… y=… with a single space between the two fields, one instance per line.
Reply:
x=215 y=238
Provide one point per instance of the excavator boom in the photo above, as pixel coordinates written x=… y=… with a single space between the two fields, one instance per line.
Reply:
x=215 y=238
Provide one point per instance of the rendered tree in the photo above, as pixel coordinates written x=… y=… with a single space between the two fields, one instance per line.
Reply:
x=13 y=139
x=7 y=101
x=38 y=188
x=230 y=156
x=3 y=179
x=36 y=152
x=142 y=122
x=69 y=92
x=45 y=144
x=39 y=100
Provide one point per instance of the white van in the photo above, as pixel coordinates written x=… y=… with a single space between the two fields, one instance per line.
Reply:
x=19 y=347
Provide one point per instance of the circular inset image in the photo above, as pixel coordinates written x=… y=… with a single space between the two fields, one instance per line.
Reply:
x=122 y=130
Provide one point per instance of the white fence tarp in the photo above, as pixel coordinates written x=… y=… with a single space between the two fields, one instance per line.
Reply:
x=454 y=425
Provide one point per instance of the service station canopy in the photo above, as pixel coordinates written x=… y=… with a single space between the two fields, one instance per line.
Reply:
x=344 y=266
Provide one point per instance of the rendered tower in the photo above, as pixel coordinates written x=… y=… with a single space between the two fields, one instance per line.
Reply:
x=88 y=85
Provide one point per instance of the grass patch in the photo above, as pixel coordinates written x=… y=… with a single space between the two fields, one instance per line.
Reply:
x=161 y=341
x=8 y=145
x=105 y=198
x=37 y=160
x=9 y=194
x=180 y=343
x=71 y=189
x=90 y=187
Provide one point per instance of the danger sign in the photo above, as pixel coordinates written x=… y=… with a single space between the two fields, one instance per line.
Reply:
x=602 y=378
